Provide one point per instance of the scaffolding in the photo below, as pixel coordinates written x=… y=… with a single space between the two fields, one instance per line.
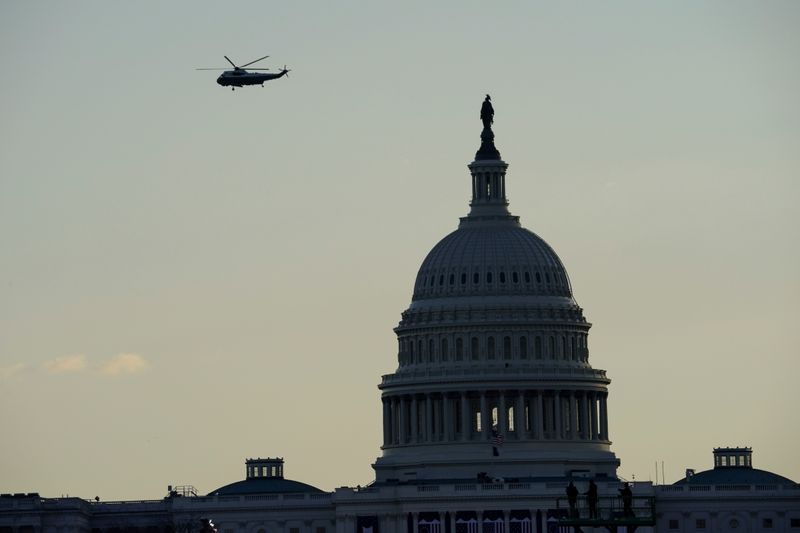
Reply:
x=609 y=513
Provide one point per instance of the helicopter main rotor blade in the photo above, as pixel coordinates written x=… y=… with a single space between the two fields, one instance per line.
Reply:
x=257 y=69
x=219 y=68
x=229 y=61
x=256 y=61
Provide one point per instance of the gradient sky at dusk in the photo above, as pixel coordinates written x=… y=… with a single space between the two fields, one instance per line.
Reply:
x=190 y=276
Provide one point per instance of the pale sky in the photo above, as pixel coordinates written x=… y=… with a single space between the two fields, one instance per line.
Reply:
x=190 y=276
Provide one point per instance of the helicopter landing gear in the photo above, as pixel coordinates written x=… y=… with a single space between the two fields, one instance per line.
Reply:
x=262 y=85
x=233 y=88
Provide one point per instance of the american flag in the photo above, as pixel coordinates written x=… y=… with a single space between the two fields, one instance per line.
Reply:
x=497 y=438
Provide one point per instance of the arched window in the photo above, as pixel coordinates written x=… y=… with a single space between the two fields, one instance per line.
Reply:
x=523 y=347
x=452 y=279
x=475 y=349
x=431 y=350
x=502 y=277
x=441 y=279
x=537 y=346
x=445 y=350
x=506 y=347
x=527 y=277
x=459 y=349
x=463 y=278
x=419 y=351
x=494 y=416
x=551 y=347
x=475 y=278
x=515 y=277
x=538 y=278
x=572 y=354
x=510 y=418
x=490 y=347
x=489 y=277
x=563 y=347
x=410 y=351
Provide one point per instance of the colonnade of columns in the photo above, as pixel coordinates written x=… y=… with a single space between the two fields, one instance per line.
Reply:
x=488 y=186
x=538 y=414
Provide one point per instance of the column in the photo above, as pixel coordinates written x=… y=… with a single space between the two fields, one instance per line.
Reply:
x=448 y=429
x=401 y=420
x=414 y=419
x=558 y=413
x=452 y=521
x=502 y=414
x=484 y=418
x=442 y=527
x=506 y=524
x=473 y=186
x=573 y=412
x=395 y=422
x=437 y=419
x=387 y=427
x=519 y=416
x=466 y=423
x=593 y=412
x=604 y=416
x=539 y=415
x=415 y=522
x=587 y=417
x=428 y=418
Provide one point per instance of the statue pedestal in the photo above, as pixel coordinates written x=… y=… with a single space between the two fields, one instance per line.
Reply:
x=487 y=150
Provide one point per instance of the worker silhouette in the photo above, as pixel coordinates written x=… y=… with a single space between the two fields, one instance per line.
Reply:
x=591 y=499
x=572 y=498
x=627 y=500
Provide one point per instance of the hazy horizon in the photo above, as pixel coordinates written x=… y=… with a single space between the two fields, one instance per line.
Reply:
x=192 y=276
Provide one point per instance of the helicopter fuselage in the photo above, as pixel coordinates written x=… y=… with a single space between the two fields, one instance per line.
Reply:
x=240 y=78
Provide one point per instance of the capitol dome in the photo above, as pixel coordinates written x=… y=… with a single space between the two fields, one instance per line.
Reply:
x=493 y=349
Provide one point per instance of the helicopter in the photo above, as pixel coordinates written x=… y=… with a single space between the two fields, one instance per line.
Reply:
x=239 y=77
